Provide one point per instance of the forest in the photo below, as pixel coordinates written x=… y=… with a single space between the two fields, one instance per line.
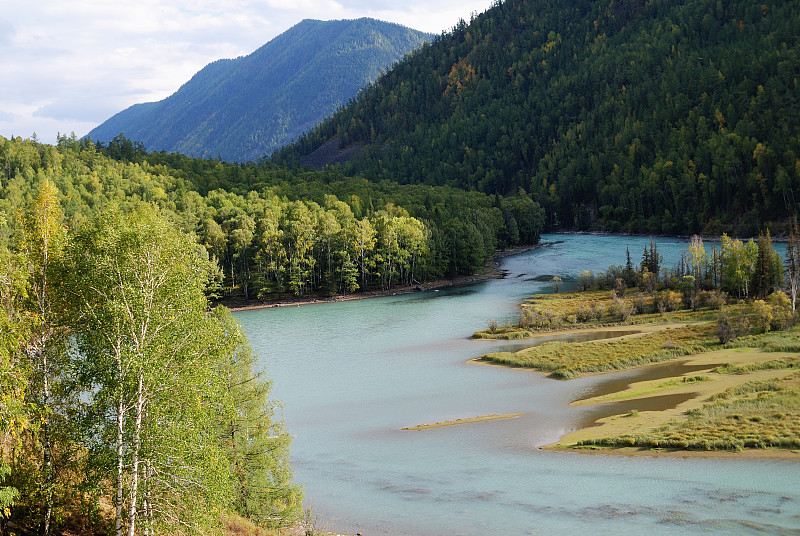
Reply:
x=131 y=404
x=273 y=232
x=128 y=405
x=624 y=115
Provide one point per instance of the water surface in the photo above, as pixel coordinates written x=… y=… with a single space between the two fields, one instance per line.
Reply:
x=352 y=374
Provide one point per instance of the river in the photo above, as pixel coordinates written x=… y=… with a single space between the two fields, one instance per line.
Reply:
x=352 y=374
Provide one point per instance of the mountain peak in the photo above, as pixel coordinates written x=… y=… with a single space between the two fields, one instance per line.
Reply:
x=244 y=108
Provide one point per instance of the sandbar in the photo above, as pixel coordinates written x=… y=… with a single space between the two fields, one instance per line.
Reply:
x=468 y=420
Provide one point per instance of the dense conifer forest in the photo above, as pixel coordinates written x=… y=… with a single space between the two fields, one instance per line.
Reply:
x=624 y=115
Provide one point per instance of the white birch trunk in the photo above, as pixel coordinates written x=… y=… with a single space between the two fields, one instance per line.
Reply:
x=136 y=447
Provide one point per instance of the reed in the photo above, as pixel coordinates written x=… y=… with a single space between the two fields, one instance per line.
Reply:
x=564 y=360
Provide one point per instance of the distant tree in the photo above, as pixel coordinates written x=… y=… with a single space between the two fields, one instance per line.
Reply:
x=698 y=258
x=585 y=280
x=629 y=274
x=737 y=265
x=556 y=283
x=651 y=258
x=793 y=261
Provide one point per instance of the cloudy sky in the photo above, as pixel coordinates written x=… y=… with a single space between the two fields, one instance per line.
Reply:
x=68 y=65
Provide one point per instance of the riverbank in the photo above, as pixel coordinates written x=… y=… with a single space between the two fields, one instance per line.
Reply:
x=491 y=271
x=707 y=385
x=743 y=396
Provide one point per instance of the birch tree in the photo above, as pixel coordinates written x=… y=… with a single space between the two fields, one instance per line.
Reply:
x=138 y=292
x=43 y=243
x=793 y=261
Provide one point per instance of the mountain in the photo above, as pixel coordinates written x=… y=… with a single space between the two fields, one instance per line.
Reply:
x=635 y=115
x=241 y=109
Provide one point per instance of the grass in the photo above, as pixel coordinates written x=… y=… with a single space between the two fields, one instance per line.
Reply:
x=775 y=364
x=468 y=420
x=758 y=411
x=547 y=312
x=773 y=341
x=564 y=360
x=755 y=415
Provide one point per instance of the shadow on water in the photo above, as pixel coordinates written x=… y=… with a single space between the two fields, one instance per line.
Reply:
x=651 y=372
x=653 y=403
x=515 y=346
x=440 y=293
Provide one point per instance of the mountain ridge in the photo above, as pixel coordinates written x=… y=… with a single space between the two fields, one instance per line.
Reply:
x=241 y=109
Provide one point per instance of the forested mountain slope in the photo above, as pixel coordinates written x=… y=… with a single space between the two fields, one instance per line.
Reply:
x=239 y=109
x=652 y=116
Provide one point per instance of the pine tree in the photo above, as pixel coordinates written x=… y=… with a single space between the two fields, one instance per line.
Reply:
x=256 y=444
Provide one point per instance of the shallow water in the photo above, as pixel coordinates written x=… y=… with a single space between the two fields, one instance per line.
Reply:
x=352 y=374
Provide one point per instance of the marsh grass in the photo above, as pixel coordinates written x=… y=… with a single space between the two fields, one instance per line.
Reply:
x=756 y=415
x=564 y=360
x=773 y=341
x=548 y=312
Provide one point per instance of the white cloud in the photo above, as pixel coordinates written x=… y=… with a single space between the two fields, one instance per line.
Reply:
x=70 y=64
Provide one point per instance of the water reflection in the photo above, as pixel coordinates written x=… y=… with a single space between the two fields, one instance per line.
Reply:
x=449 y=292
x=521 y=344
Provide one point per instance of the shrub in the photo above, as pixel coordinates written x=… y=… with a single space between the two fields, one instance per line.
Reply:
x=585 y=280
x=619 y=288
x=598 y=310
x=713 y=299
x=584 y=314
x=725 y=331
x=620 y=309
x=537 y=319
x=669 y=301
x=641 y=305
x=762 y=315
x=782 y=317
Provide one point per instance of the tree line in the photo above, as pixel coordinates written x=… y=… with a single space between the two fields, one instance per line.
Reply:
x=750 y=272
x=743 y=270
x=273 y=231
x=121 y=387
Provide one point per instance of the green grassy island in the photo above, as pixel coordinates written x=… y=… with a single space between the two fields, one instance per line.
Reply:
x=740 y=386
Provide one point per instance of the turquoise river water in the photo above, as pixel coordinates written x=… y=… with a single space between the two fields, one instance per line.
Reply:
x=352 y=374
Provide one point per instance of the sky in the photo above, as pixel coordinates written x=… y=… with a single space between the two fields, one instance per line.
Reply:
x=68 y=65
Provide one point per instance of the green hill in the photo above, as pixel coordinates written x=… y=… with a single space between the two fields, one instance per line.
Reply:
x=651 y=116
x=240 y=109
